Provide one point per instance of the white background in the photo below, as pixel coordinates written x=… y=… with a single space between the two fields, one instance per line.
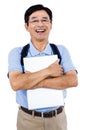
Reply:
x=69 y=29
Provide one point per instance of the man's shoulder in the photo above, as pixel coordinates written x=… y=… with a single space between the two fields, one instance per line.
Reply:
x=16 y=50
x=61 y=47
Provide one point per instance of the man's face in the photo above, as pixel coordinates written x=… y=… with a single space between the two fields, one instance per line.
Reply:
x=39 y=25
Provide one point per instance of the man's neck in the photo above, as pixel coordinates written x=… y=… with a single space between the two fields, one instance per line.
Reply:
x=40 y=45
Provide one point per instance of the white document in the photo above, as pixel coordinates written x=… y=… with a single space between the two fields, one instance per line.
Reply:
x=42 y=97
x=34 y=64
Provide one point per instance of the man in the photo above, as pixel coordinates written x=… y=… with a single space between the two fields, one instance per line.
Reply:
x=38 y=22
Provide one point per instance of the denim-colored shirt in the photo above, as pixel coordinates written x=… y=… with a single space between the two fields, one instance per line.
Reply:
x=15 y=65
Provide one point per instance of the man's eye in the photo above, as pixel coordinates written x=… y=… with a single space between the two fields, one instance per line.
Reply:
x=44 y=20
x=35 y=21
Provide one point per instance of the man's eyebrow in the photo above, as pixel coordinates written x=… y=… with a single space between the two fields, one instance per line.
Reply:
x=33 y=17
x=44 y=17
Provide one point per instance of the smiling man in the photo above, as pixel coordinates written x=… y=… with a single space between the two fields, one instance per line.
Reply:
x=38 y=22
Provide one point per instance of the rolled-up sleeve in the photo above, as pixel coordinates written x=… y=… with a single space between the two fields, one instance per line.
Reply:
x=66 y=61
x=14 y=60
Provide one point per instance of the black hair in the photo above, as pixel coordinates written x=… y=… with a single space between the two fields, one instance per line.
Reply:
x=34 y=8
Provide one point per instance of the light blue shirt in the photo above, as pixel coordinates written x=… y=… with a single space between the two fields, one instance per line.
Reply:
x=14 y=65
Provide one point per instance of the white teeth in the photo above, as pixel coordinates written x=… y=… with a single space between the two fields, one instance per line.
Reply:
x=40 y=30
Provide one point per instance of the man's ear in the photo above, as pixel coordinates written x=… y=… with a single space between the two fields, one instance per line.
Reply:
x=51 y=27
x=26 y=26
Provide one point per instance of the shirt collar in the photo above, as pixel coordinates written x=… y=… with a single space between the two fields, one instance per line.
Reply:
x=35 y=52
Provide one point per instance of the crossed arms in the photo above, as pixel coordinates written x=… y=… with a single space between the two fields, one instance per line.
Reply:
x=50 y=77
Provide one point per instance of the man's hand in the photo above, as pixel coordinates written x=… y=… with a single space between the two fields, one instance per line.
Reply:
x=55 y=69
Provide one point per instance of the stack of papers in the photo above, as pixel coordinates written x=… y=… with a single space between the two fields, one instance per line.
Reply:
x=42 y=97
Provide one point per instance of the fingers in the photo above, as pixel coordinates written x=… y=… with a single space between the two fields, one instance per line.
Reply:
x=57 y=61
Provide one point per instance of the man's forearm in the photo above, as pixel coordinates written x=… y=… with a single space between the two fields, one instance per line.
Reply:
x=66 y=81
